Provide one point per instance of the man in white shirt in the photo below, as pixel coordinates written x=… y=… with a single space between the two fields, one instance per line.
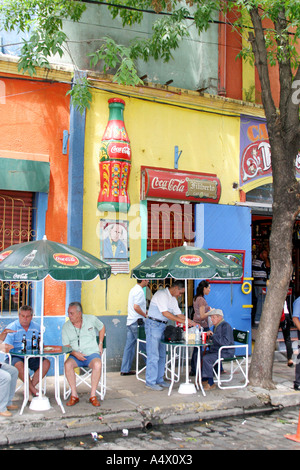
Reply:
x=163 y=307
x=136 y=311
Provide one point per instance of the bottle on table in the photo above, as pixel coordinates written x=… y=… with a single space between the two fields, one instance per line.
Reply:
x=33 y=341
x=197 y=334
x=23 y=347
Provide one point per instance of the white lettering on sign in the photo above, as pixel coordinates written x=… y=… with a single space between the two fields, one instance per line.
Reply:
x=20 y=276
x=174 y=184
x=125 y=150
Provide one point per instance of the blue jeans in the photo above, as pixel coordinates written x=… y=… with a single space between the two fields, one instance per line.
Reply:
x=260 y=301
x=130 y=347
x=8 y=380
x=156 y=352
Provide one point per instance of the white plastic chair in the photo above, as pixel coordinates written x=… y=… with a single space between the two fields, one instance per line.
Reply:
x=85 y=375
x=239 y=362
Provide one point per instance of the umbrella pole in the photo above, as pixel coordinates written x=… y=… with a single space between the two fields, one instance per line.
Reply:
x=42 y=340
x=41 y=403
x=186 y=388
x=186 y=335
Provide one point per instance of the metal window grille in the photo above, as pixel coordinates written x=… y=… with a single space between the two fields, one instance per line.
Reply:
x=16 y=226
x=169 y=226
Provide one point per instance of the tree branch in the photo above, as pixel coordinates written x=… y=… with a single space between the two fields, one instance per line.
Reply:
x=261 y=61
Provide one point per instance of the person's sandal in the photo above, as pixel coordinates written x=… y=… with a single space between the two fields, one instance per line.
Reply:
x=72 y=401
x=94 y=401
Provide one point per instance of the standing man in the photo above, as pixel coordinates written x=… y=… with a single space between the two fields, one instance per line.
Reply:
x=26 y=326
x=163 y=307
x=80 y=334
x=296 y=321
x=136 y=312
x=260 y=273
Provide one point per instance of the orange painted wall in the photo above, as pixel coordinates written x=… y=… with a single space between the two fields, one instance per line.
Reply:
x=33 y=118
x=230 y=68
x=233 y=67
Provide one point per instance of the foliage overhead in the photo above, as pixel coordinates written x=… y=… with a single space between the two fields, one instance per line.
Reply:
x=42 y=21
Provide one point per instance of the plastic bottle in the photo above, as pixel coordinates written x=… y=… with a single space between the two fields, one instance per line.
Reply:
x=197 y=334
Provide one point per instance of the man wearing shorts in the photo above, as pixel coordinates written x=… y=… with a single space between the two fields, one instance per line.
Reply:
x=26 y=326
x=80 y=333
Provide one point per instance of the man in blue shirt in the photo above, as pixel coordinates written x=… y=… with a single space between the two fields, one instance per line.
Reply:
x=26 y=326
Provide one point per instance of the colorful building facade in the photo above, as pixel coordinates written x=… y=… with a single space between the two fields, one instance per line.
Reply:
x=175 y=136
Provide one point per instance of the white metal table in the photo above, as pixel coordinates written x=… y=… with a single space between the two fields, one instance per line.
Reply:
x=175 y=353
x=49 y=352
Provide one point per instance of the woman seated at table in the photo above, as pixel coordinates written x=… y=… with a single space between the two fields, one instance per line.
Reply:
x=222 y=335
x=201 y=309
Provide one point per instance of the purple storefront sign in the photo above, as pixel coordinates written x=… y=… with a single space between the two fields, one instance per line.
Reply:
x=255 y=151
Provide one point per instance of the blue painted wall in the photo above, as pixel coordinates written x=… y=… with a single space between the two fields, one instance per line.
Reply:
x=227 y=227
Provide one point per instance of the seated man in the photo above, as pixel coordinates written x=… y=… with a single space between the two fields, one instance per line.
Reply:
x=222 y=335
x=79 y=333
x=8 y=381
x=26 y=326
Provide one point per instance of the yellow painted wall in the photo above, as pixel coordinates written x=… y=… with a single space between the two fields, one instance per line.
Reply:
x=209 y=142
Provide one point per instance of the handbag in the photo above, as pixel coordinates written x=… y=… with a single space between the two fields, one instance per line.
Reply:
x=173 y=333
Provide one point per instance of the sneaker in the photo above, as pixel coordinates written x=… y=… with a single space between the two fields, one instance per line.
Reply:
x=163 y=384
x=155 y=387
x=297 y=388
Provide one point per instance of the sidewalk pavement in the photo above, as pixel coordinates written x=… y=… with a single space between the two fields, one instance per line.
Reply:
x=129 y=404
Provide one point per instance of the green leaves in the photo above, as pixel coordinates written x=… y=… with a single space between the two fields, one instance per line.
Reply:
x=40 y=24
x=43 y=21
x=119 y=58
x=81 y=95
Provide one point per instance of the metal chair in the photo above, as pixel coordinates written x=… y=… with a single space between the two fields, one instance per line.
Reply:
x=141 y=339
x=85 y=373
x=239 y=362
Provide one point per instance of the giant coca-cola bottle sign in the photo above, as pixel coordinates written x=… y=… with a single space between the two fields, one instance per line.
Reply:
x=114 y=161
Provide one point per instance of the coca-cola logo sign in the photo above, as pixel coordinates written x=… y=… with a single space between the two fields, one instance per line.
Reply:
x=5 y=254
x=185 y=186
x=118 y=150
x=191 y=260
x=66 y=259
x=173 y=184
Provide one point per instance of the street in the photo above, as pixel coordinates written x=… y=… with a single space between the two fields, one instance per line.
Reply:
x=251 y=432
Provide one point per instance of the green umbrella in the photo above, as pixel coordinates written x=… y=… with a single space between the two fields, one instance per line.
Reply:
x=188 y=262
x=33 y=261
